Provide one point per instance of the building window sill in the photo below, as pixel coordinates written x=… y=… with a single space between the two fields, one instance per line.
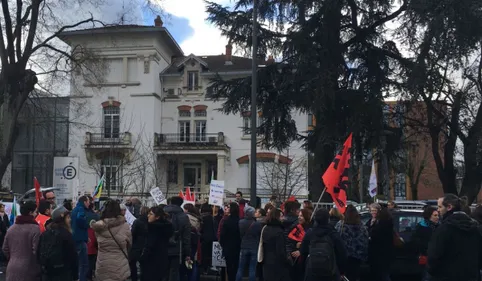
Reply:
x=113 y=84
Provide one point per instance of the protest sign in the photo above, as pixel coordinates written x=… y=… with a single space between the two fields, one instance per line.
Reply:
x=216 y=193
x=129 y=217
x=158 y=196
x=218 y=259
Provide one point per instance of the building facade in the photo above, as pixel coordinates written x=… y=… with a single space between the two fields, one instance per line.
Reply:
x=43 y=134
x=152 y=122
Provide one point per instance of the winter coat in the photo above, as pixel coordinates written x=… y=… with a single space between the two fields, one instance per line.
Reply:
x=230 y=238
x=112 y=264
x=355 y=238
x=275 y=260
x=249 y=230
x=154 y=260
x=195 y=222
x=288 y=224
x=381 y=247
x=181 y=246
x=454 y=249
x=421 y=236
x=208 y=230
x=70 y=271
x=220 y=226
x=92 y=244
x=4 y=225
x=139 y=237
x=339 y=248
x=79 y=223
x=20 y=249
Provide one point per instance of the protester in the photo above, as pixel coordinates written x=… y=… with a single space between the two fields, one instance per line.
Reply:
x=50 y=196
x=260 y=215
x=56 y=251
x=423 y=233
x=180 y=242
x=355 y=238
x=242 y=204
x=139 y=238
x=208 y=236
x=276 y=264
x=92 y=247
x=114 y=239
x=20 y=246
x=455 y=247
x=292 y=211
x=295 y=237
x=250 y=232
x=323 y=250
x=381 y=245
x=44 y=210
x=230 y=241
x=80 y=226
x=374 y=210
x=154 y=259
x=4 y=224
x=335 y=216
x=239 y=196
x=195 y=221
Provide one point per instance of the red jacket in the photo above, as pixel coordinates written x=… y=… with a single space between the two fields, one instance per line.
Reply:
x=92 y=244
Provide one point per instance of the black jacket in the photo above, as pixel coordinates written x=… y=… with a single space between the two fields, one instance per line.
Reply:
x=182 y=226
x=453 y=251
x=229 y=237
x=288 y=223
x=421 y=237
x=339 y=247
x=381 y=249
x=208 y=230
x=71 y=269
x=155 y=259
x=139 y=236
x=275 y=259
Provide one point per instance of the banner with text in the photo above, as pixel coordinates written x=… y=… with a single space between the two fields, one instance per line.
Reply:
x=218 y=259
x=216 y=193
x=158 y=196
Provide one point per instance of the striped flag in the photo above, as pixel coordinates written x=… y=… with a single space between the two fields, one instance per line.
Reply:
x=98 y=189
x=38 y=194
x=13 y=212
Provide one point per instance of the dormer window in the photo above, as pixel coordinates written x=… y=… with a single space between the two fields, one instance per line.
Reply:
x=193 y=80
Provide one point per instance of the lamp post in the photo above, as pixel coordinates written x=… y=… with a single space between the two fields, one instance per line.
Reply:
x=254 y=111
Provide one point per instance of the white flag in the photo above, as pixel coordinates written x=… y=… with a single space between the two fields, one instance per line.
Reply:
x=372 y=186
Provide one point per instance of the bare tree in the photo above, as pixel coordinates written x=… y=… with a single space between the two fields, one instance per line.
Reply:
x=32 y=56
x=284 y=179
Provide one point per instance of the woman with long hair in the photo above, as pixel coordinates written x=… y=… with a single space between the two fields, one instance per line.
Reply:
x=381 y=246
x=114 y=238
x=154 y=258
x=295 y=237
x=230 y=240
x=59 y=235
x=20 y=245
x=335 y=216
x=423 y=233
x=276 y=266
x=355 y=238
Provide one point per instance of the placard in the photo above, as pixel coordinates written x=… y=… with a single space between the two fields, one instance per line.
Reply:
x=129 y=218
x=218 y=259
x=158 y=196
x=216 y=193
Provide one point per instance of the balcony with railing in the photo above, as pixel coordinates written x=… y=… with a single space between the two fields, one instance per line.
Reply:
x=190 y=141
x=108 y=140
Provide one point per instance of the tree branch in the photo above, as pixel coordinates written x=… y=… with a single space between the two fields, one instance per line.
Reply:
x=31 y=32
x=18 y=30
x=8 y=30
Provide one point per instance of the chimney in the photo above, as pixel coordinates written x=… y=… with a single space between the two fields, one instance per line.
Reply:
x=270 y=60
x=158 y=22
x=229 y=52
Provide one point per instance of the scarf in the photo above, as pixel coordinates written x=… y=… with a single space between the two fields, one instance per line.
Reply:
x=25 y=220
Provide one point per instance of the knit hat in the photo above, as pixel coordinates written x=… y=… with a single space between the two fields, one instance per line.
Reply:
x=58 y=212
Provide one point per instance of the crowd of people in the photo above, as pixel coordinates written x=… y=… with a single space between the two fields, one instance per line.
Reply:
x=289 y=241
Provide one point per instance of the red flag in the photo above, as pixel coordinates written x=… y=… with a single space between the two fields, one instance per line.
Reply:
x=336 y=176
x=189 y=196
x=38 y=194
x=181 y=194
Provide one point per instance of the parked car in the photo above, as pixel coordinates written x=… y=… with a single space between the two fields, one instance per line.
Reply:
x=406 y=258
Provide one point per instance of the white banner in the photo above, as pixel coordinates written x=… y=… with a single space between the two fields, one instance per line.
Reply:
x=218 y=259
x=129 y=217
x=66 y=177
x=216 y=193
x=158 y=196
x=372 y=186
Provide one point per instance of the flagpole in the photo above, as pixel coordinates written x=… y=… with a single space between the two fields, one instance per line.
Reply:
x=317 y=203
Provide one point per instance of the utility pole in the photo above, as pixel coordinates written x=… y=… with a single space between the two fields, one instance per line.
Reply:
x=254 y=111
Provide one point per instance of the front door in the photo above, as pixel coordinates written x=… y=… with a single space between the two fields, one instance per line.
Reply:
x=192 y=175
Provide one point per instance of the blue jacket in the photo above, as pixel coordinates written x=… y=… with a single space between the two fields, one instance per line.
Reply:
x=79 y=223
x=250 y=230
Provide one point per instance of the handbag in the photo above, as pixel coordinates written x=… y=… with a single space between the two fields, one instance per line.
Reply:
x=120 y=247
x=260 y=247
x=422 y=260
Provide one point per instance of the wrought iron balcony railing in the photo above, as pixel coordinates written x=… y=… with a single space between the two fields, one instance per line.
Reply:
x=189 y=139
x=108 y=139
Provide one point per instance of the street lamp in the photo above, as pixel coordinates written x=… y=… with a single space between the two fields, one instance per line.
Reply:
x=254 y=111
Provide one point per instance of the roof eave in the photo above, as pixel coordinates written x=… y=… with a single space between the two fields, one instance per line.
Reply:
x=175 y=48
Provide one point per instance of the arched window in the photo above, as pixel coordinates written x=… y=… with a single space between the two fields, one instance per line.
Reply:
x=111 y=122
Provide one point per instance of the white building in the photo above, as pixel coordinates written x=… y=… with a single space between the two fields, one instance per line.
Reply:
x=151 y=121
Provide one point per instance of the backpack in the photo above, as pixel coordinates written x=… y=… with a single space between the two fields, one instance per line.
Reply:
x=321 y=259
x=51 y=254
